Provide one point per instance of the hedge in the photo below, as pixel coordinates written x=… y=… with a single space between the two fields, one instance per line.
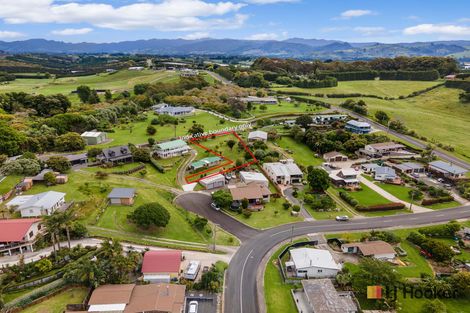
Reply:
x=444 y=230
x=458 y=84
x=131 y=171
x=437 y=200
x=382 y=207
x=409 y=75
x=348 y=76
x=157 y=166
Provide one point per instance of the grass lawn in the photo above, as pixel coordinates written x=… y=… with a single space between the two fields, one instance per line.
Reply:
x=415 y=305
x=267 y=218
x=119 y=81
x=7 y=183
x=57 y=303
x=136 y=132
x=387 y=88
x=286 y=107
x=298 y=151
x=367 y=196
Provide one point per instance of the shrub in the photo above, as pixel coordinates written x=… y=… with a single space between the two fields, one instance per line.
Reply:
x=446 y=230
x=150 y=214
x=383 y=207
x=437 y=200
x=157 y=166
x=246 y=213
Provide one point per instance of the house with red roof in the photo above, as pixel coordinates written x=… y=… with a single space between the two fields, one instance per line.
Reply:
x=161 y=266
x=18 y=235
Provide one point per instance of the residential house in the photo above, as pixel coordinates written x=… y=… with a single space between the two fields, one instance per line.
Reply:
x=132 y=298
x=40 y=176
x=122 y=196
x=346 y=177
x=171 y=149
x=187 y=72
x=335 y=156
x=213 y=181
x=325 y=119
x=18 y=235
x=161 y=266
x=385 y=174
x=256 y=194
x=136 y=68
x=283 y=173
x=253 y=177
x=383 y=149
x=312 y=263
x=320 y=296
x=205 y=163
x=358 y=127
x=379 y=249
x=74 y=159
x=175 y=111
x=369 y=167
x=40 y=204
x=259 y=100
x=447 y=170
x=94 y=137
x=409 y=168
x=119 y=154
x=258 y=135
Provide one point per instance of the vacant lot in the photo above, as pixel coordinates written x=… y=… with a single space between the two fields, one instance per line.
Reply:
x=57 y=303
x=298 y=151
x=287 y=108
x=384 y=88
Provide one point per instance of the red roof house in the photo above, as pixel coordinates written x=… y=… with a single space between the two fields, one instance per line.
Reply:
x=18 y=235
x=161 y=266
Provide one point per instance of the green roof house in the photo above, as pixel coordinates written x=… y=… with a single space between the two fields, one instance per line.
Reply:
x=205 y=163
x=171 y=149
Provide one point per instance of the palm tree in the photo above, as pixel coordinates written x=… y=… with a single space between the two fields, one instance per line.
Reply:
x=65 y=221
x=52 y=224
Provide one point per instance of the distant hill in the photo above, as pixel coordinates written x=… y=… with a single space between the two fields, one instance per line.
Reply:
x=290 y=48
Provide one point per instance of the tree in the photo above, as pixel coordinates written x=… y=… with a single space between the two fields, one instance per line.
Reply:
x=11 y=140
x=200 y=223
x=3 y=159
x=50 y=179
x=69 y=142
x=318 y=179
x=141 y=155
x=83 y=93
x=461 y=282
x=151 y=130
x=59 y=164
x=151 y=141
x=415 y=194
x=196 y=129
x=87 y=272
x=464 y=97
x=150 y=214
x=65 y=220
x=304 y=121
x=286 y=205
x=231 y=143
x=94 y=152
x=108 y=95
x=28 y=167
x=382 y=117
x=433 y=306
x=43 y=266
x=140 y=89
x=222 y=198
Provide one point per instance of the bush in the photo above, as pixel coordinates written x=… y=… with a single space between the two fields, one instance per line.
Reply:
x=437 y=200
x=446 y=230
x=157 y=166
x=383 y=207
x=246 y=213
x=150 y=214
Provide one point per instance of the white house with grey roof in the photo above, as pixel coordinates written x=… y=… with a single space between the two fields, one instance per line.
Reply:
x=284 y=173
x=447 y=170
x=410 y=168
x=312 y=263
x=45 y=203
x=385 y=173
x=258 y=135
x=170 y=149
x=253 y=177
x=175 y=111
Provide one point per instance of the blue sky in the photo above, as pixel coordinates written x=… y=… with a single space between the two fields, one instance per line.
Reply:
x=349 y=20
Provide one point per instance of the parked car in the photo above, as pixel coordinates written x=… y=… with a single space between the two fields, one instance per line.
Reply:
x=214 y=206
x=193 y=305
x=342 y=218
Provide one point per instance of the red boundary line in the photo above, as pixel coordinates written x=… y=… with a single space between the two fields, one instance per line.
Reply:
x=229 y=161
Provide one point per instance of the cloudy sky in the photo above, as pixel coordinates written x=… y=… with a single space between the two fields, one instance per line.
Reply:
x=350 y=20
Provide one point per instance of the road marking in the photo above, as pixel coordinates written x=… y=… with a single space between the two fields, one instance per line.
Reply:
x=241 y=281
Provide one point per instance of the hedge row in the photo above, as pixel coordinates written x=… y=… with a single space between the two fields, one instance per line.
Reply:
x=131 y=171
x=459 y=84
x=445 y=230
x=157 y=166
x=382 y=207
x=314 y=83
x=312 y=101
x=437 y=200
x=348 y=76
x=349 y=199
x=409 y=75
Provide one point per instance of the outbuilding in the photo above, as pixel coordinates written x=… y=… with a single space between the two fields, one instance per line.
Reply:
x=94 y=137
x=312 y=263
x=212 y=182
x=122 y=196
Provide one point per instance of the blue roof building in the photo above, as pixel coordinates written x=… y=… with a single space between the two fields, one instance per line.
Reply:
x=358 y=127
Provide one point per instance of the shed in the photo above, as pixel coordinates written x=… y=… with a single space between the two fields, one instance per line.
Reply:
x=94 y=137
x=122 y=196
x=212 y=182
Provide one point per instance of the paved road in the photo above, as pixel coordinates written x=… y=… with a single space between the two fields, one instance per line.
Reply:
x=241 y=293
x=221 y=79
x=199 y=203
x=445 y=156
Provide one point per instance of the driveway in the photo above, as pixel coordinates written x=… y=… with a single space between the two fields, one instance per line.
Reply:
x=199 y=203
x=288 y=193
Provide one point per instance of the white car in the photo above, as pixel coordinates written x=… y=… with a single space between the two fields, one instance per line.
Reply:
x=214 y=206
x=193 y=307
x=342 y=218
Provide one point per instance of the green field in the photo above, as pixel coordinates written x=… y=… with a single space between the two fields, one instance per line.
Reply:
x=300 y=152
x=384 y=88
x=136 y=132
x=287 y=108
x=57 y=303
x=119 y=81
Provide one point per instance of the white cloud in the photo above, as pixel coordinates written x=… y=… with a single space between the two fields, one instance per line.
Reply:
x=438 y=29
x=263 y=36
x=354 y=13
x=196 y=35
x=5 y=34
x=168 y=15
x=369 y=31
x=271 y=1
x=72 y=31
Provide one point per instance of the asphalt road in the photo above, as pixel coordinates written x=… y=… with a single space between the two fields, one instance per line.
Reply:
x=199 y=203
x=241 y=294
x=445 y=156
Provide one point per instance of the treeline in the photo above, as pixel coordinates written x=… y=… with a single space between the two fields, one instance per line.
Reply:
x=44 y=106
x=428 y=75
x=444 y=65
x=6 y=77
x=316 y=83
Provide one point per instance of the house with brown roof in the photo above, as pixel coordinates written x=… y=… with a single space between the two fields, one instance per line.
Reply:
x=132 y=298
x=161 y=266
x=335 y=156
x=256 y=194
x=379 y=249
x=18 y=235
